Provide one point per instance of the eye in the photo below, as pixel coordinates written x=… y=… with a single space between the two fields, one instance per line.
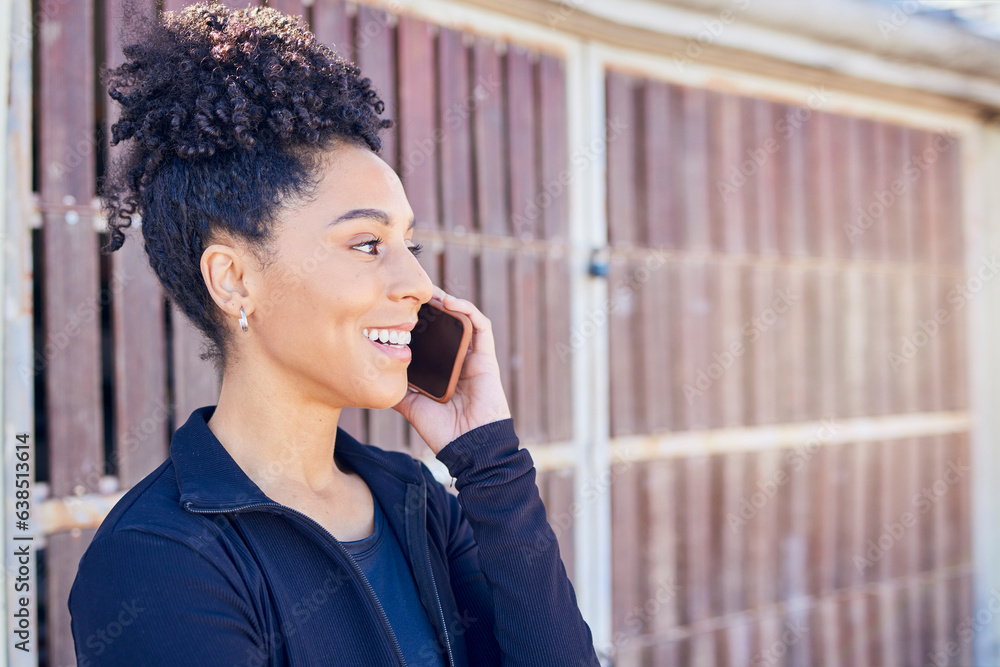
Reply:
x=375 y=242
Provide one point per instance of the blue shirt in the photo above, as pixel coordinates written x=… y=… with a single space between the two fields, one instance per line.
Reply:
x=382 y=561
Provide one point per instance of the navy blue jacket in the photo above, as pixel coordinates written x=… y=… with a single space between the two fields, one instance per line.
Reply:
x=196 y=566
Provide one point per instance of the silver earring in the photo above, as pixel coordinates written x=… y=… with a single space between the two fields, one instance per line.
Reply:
x=243 y=319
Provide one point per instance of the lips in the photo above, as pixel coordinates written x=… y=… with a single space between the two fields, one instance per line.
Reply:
x=396 y=352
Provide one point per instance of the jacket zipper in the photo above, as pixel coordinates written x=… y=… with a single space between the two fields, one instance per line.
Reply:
x=447 y=641
x=343 y=550
x=444 y=626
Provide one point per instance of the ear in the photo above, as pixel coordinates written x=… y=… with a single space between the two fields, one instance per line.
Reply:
x=222 y=267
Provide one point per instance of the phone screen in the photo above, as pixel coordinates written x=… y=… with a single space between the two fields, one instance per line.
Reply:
x=434 y=345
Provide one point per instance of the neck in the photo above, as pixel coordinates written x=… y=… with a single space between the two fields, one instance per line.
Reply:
x=280 y=438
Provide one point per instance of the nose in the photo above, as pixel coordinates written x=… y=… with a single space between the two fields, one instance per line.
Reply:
x=410 y=280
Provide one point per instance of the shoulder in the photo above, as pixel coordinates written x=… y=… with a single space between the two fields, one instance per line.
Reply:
x=147 y=527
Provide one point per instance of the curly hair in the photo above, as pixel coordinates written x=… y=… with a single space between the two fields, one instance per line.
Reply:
x=227 y=111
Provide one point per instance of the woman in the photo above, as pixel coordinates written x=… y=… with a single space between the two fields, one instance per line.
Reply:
x=269 y=536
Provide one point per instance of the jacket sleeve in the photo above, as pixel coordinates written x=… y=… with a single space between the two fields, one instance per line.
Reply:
x=501 y=534
x=145 y=599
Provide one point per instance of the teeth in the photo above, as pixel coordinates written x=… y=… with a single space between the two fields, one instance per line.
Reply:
x=398 y=338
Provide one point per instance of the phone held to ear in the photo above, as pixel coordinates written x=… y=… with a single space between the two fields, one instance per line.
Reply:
x=438 y=344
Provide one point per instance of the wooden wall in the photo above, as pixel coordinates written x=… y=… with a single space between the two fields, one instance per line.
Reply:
x=481 y=146
x=767 y=272
x=479 y=127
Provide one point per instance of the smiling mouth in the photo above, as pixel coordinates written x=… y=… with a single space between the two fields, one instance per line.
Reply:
x=388 y=337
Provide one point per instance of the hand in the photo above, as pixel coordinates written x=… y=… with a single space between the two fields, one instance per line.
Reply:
x=479 y=397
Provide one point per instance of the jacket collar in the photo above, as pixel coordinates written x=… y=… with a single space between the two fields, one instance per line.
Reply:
x=210 y=479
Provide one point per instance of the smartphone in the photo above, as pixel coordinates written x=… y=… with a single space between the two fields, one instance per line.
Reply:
x=438 y=344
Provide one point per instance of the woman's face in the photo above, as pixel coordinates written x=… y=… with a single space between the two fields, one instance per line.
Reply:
x=333 y=279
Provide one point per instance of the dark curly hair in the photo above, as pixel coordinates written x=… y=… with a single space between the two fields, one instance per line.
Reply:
x=227 y=111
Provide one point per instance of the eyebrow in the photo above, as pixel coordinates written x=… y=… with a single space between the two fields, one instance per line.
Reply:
x=374 y=213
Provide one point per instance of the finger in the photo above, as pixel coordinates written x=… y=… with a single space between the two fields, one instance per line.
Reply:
x=479 y=321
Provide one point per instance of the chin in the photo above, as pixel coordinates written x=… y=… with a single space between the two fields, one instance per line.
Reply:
x=386 y=400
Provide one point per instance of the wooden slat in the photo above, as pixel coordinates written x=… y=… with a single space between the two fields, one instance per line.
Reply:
x=375 y=50
x=626 y=577
x=657 y=220
x=660 y=196
x=553 y=165
x=623 y=227
x=333 y=27
x=560 y=498
x=658 y=335
x=694 y=130
x=724 y=153
x=623 y=231
x=138 y=323
x=695 y=552
x=622 y=334
x=763 y=237
x=660 y=494
x=455 y=150
x=291 y=7
x=418 y=141
x=70 y=274
x=491 y=211
x=730 y=485
x=527 y=302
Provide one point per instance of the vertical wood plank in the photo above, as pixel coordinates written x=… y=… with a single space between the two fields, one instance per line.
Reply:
x=70 y=271
x=657 y=219
x=695 y=553
x=626 y=595
x=332 y=26
x=375 y=50
x=560 y=497
x=417 y=126
x=138 y=323
x=527 y=299
x=491 y=211
x=553 y=144
x=622 y=233
x=290 y=7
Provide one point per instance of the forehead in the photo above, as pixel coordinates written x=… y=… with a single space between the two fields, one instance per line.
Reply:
x=356 y=174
